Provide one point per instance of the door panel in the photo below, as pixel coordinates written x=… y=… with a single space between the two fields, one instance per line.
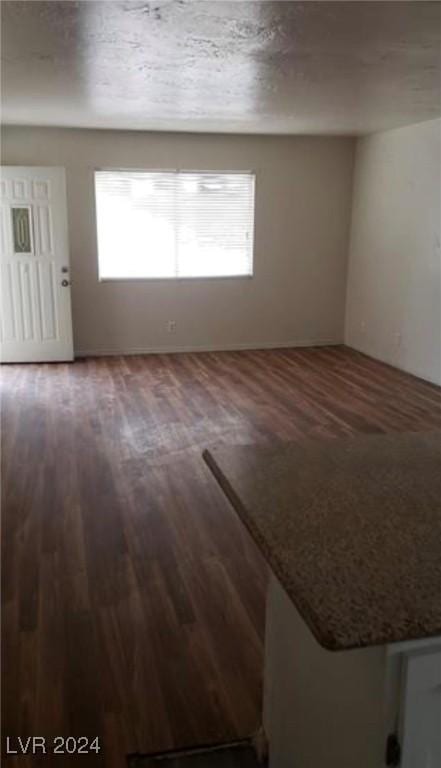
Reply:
x=44 y=230
x=35 y=321
x=46 y=278
x=9 y=330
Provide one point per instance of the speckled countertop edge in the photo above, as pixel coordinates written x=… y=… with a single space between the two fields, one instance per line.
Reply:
x=326 y=640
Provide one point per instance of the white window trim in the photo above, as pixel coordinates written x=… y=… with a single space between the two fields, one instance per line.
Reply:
x=197 y=278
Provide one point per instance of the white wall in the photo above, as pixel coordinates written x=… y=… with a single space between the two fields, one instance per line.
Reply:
x=303 y=201
x=393 y=305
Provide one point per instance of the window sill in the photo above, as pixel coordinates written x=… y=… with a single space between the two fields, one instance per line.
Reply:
x=170 y=279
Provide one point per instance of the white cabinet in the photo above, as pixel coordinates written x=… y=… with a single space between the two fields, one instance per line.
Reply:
x=327 y=709
x=420 y=726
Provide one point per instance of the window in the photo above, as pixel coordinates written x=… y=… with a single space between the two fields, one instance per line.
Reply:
x=174 y=224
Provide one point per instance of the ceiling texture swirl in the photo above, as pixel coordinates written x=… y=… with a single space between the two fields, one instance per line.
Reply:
x=223 y=66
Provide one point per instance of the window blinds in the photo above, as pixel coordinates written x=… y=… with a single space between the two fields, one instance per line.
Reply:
x=172 y=224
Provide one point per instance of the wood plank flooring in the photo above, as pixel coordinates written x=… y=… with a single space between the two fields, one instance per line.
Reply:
x=133 y=599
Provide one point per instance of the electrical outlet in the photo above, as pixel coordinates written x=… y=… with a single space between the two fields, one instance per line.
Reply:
x=398 y=339
x=171 y=326
x=363 y=326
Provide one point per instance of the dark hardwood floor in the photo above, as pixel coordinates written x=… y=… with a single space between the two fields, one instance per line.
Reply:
x=133 y=599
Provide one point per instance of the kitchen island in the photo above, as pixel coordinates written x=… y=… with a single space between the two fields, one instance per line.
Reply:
x=351 y=530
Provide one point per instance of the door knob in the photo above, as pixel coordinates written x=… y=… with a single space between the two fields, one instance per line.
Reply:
x=65 y=283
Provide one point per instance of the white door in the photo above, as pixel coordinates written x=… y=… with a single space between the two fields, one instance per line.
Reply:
x=35 y=308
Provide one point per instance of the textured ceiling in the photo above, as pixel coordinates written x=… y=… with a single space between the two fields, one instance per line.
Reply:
x=259 y=67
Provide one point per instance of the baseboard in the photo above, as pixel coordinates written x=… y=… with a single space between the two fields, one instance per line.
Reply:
x=393 y=364
x=207 y=348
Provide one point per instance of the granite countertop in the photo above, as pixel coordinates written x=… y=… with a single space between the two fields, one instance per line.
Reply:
x=351 y=528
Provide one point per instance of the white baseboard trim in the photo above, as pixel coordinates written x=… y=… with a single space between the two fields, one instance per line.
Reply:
x=207 y=348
